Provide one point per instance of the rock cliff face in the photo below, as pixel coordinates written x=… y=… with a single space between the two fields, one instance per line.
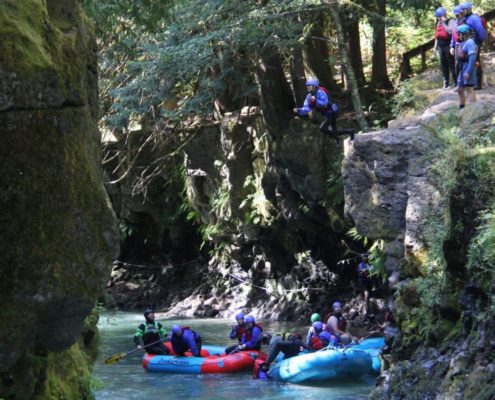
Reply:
x=271 y=211
x=422 y=187
x=57 y=235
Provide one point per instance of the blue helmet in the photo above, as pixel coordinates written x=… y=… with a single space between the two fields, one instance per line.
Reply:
x=440 y=12
x=249 y=319
x=318 y=325
x=466 y=6
x=239 y=316
x=176 y=329
x=337 y=304
x=312 y=82
x=464 y=29
x=457 y=10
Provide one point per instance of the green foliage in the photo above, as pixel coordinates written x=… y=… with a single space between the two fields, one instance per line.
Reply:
x=482 y=255
x=258 y=207
x=377 y=261
x=354 y=234
x=407 y=98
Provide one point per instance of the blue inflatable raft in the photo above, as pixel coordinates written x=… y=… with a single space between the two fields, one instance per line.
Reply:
x=330 y=364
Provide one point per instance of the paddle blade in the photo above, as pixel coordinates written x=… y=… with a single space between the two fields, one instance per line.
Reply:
x=115 y=358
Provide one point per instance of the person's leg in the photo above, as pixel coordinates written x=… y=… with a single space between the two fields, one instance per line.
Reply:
x=158 y=349
x=274 y=349
x=462 y=97
x=199 y=343
x=230 y=349
x=470 y=95
x=444 y=62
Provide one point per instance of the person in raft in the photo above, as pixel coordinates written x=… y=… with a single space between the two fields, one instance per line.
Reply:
x=315 y=317
x=320 y=337
x=289 y=343
x=238 y=332
x=150 y=332
x=185 y=339
x=336 y=325
x=252 y=339
x=318 y=100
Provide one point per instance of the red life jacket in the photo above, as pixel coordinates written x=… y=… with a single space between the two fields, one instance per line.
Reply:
x=316 y=343
x=249 y=333
x=240 y=332
x=257 y=366
x=441 y=33
x=483 y=22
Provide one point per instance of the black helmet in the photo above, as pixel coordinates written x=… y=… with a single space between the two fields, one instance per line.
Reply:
x=148 y=311
x=265 y=338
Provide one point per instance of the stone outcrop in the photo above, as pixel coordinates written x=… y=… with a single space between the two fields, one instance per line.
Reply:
x=271 y=214
x=57 y=236
x=406 y=186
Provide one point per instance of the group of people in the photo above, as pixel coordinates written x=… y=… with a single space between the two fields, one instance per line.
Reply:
x=458 y=41
x=248 y=334
x=151 y=336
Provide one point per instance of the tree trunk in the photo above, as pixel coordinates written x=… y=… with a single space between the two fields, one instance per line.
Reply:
x=351 y=79
x=379 y=74
x=275 y=94
x=316 y=56
x=298 y=76
x=351 y=34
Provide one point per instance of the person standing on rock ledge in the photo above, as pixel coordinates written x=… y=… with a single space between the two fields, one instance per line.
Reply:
x=149 y=332
x=467 y=50
x=318 y=100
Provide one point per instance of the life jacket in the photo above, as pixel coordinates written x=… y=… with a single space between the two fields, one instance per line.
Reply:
x=330 y=105
x=440 y=32
x=151 y=332
x=285 y=335
x=483 y=22
x=240 y=332
x=341 y=324
x=316 y=343
x=258 y=372
x=249 y=333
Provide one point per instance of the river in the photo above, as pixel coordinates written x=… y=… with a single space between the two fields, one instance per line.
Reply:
x=127 y=380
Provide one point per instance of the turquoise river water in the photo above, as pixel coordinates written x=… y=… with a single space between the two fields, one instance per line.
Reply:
x=127 y=380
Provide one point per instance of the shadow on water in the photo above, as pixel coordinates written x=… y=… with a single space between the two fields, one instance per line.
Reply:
x=127 y=380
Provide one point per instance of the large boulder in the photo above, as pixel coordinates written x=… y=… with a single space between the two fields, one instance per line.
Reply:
x=58 y=235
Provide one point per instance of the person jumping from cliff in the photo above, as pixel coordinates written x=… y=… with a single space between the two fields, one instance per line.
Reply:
x=150 y=332
x=318 y=100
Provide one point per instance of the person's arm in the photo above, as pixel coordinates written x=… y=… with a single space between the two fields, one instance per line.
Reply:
x=448 y=27
x=306 y=108
x=161 y=331
x=333 y=322
x=321 y=99
x=138 y=336
x=472 y=50
x=435 y=46
x=189 y=338
x=255 y=338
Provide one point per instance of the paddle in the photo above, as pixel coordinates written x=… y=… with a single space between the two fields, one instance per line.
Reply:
x=120 y=356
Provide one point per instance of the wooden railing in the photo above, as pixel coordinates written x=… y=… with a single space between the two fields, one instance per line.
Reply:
x=405 y=68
